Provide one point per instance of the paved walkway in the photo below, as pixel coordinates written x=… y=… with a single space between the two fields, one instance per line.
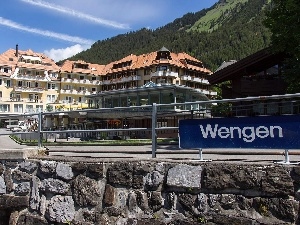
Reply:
x=6 y=142
x=172 y=152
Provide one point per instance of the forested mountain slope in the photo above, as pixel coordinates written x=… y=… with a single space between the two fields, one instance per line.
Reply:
x=231 y=29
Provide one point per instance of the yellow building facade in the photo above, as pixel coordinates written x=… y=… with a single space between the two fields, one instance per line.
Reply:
x=31 y=82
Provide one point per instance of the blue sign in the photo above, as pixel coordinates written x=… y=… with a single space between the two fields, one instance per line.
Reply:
x=275 y=132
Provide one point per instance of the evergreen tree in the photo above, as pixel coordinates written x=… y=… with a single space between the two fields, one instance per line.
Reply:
x=283 y=20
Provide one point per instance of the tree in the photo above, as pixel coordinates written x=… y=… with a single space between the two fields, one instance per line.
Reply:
x=283 y=20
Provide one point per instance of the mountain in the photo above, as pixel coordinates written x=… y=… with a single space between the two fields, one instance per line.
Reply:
x=229 y=30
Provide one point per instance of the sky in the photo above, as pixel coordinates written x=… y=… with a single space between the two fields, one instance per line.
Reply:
x=63 y=28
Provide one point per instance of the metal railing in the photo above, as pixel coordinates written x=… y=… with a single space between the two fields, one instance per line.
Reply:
x=239 y=107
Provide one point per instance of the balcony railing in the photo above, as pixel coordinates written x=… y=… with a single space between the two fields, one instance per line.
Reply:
x=31 y=77
x=195 y=79
x=29 y=89
x=164 y=74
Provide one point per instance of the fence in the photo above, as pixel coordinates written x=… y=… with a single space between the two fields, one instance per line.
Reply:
x=151 y=120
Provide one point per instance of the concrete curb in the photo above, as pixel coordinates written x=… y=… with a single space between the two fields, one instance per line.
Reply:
x=19 y=153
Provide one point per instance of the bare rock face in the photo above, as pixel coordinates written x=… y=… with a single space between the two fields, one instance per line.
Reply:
x=86 y=191
x=61 y=209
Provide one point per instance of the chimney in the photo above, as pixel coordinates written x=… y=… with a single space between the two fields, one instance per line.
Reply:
x=17 y=50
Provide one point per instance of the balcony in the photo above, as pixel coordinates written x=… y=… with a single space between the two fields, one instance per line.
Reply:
x=96 y=82
x=66 y=80
x=107 y=82
x=164 y=74
x=200 y=80
x=186 y=77
x=32 y=77
x=29 y=89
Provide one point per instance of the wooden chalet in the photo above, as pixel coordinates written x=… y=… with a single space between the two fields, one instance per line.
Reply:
x=258 y=74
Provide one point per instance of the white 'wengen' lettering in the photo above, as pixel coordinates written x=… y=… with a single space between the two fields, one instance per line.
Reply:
x=248 y=134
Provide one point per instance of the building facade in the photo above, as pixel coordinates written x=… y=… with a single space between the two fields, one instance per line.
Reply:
x=28 y=82
x=31 y=82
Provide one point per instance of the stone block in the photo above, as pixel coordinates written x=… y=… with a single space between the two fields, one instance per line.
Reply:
x=86 y=191
x=54 y=186
x=13 y=202
x=184 y=176
x=96 y=171
x=277 y=182
x=27 y=166
x=231 y=176
x=153 y=180
x=31 y=219
x=22 y=188
x=47 y=167
x=60 y=209
x=21 y=176
x=120 y=174
x=64 y=171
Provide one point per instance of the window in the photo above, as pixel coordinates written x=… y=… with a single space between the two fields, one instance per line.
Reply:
x=8 y=83
x=94 y=78
x=4 y=108
x=18 y=108
x=30 y=97
x=51 y=98
x=81 y=77
x=0 y=94
x=29 y=109
x=81 y=88
x=69 y=76
x=39 y=108
x=69 y=99
x=20 y=83
x=93 y=89
x=18 y=97
x=0 y=81
x=51 y=86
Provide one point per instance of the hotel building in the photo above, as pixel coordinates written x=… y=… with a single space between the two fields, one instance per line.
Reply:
x=32 y=82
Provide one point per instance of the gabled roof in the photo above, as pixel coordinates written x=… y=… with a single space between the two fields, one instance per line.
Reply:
x=10 y=58
x=69 y=67
x=149 y=59
x=254 y=63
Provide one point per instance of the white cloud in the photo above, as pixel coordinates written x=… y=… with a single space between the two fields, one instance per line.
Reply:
x=46 y=33
x=63 y=53
x=77 y=14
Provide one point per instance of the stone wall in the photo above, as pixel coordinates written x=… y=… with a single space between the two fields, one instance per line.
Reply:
x=147 y=192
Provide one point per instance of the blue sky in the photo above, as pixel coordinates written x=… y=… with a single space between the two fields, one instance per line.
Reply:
x=62 y=28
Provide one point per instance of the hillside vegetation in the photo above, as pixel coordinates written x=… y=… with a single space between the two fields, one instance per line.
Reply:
x=231 y=29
